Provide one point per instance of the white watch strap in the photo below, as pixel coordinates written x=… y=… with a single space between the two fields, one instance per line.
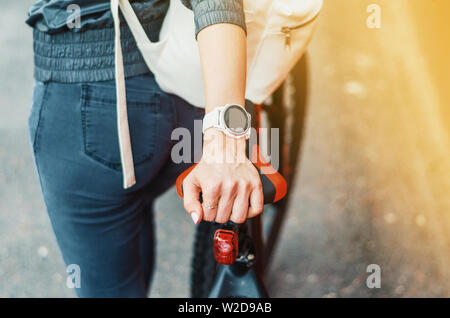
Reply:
x=212 y=119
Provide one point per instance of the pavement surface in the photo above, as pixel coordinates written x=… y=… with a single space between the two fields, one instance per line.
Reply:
x=374 y=180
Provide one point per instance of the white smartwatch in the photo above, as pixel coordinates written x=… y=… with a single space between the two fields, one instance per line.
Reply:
x=232 y=119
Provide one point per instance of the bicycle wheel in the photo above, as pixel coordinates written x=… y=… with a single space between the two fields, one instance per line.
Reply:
x=287 y=112
x=287 y=105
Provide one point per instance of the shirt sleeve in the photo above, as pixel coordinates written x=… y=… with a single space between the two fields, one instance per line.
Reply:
x=208 y=12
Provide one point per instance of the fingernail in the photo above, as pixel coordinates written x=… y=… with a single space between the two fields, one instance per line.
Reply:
x=194 y=217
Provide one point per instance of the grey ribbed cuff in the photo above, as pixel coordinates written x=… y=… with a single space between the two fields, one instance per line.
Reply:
x=208 y=12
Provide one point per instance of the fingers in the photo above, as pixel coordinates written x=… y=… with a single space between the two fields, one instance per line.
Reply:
x=232 y=201
x=229 y=193
x=191 y=198
x=211 y=195
x=256 y=201
x=240 y=206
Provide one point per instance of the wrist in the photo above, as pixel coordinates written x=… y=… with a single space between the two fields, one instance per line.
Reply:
x=217 y=146
x=210 y=105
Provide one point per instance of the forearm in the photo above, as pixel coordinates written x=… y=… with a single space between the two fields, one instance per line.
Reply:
x=223 y=50
x=229 y=183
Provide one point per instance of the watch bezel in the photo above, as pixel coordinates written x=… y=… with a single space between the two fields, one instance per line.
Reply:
x=225 y=126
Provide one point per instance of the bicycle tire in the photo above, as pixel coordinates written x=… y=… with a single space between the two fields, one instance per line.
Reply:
x=204 y=266
x=290 y=154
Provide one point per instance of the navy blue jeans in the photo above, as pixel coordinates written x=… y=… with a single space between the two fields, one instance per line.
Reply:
x=104 y=229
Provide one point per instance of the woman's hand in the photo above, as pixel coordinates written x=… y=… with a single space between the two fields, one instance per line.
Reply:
x=229 y=183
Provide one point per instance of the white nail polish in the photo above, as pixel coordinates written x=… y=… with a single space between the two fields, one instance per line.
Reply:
x=194 y=217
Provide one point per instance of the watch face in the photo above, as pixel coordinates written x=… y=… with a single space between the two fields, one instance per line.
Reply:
x=236 y=119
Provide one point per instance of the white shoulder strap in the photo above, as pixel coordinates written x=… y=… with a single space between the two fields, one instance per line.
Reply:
x=126 y=155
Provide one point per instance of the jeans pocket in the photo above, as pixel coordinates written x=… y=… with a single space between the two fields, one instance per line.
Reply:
x=34 y=116
x=99 y=123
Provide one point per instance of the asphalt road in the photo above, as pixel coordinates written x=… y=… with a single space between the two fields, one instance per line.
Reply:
x=374 y=180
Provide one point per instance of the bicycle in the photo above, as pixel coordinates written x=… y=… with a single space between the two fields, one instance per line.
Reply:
x=230 y=260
